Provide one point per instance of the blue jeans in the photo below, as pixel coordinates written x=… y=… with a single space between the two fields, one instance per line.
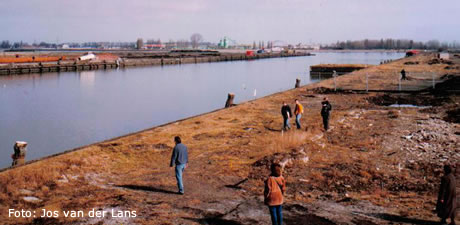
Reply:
x=297 y=120
x=276 y=214
x=286 y=123
x=179 y=170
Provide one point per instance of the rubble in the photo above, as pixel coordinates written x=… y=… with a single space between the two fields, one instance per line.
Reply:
x=434 y=141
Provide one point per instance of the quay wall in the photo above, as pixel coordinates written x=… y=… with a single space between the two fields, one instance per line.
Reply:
x=63 y=66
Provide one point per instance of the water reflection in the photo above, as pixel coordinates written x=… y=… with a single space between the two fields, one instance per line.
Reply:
x=87 y=78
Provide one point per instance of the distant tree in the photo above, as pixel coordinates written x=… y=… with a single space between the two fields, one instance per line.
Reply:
x=433 y=44
x=5 y=44
x=18 y=44
x=182 y=44
x=196 y=39
x=254 y=45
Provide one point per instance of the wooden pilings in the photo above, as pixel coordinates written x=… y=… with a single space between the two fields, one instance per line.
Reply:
x=169 y=60
x=229 y=102
x=19 y=155
x=297 y=83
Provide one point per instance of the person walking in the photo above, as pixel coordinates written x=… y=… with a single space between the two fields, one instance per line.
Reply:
x=447 y=197
x=298 y=111
x=275 y=187
x=179 y=158
x=287 y=113
x=403 y=75
x=325 y=113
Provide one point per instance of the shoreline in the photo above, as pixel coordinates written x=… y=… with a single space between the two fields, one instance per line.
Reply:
x=132 y=58
x=328 y=173
x=137 y=132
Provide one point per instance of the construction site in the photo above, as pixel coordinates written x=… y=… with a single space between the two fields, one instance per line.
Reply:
x=380 y=163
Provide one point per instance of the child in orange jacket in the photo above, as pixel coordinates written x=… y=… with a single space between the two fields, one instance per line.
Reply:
x=275 y=186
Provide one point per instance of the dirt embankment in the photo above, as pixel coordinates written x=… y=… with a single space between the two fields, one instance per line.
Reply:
x=377 y=165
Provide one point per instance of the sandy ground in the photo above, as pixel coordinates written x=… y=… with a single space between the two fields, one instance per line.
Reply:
x=377 y=165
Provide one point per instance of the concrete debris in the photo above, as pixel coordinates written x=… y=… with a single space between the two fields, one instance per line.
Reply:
x=434 y=141
x=31 y=199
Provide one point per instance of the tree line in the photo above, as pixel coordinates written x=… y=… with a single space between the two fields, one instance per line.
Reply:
x=390 y=43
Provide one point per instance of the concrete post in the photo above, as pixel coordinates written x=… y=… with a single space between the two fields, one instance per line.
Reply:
x=229 y=102
x=20 y=149
x=334 y=74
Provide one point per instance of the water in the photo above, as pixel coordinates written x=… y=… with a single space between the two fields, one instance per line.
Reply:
x=408 y=106
x=60 y=111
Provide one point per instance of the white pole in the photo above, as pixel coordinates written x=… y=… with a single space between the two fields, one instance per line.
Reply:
x=367 y=82
x=334 y=74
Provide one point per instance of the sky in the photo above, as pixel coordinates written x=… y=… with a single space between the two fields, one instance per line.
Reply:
x=245 y=21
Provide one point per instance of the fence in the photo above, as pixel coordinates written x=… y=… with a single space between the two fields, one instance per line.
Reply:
x=383 y=81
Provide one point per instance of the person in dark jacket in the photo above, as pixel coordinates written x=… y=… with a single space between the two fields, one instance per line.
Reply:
x=403 y=75
x=275 y=187
x=447 y=197
x=287 y=113
x=325 y=113
x=179 y=158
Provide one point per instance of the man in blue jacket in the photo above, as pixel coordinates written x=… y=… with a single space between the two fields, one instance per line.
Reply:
x=180 y=159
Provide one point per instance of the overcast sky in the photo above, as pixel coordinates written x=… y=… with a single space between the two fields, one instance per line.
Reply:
x=294 y=21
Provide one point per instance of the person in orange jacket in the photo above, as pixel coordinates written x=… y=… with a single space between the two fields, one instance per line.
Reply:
x=275 y=187
x=298 y=111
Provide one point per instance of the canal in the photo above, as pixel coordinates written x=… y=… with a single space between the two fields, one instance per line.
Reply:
x=55 y=112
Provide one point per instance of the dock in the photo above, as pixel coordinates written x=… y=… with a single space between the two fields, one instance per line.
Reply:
x=133 y=58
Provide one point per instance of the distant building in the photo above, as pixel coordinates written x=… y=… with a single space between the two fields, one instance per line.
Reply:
x=155 y=46
x=140 y=43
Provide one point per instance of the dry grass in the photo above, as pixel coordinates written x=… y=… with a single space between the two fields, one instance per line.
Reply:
x=223 y=148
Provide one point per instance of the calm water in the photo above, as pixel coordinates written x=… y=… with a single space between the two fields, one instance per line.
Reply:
x=59 y=111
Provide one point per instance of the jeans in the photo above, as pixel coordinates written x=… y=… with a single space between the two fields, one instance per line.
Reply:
x=297 y=120
x=179 y=170
x=276 y=214
x=286 y=123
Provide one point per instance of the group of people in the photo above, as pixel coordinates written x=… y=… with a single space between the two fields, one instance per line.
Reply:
x=275 y=184
x=286 y=112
